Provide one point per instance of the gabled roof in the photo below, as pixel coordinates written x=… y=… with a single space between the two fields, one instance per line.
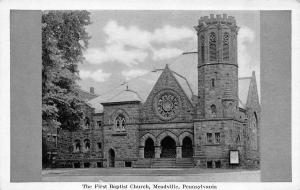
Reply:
x=138 y=90
x=86 y=96
x=125 y=96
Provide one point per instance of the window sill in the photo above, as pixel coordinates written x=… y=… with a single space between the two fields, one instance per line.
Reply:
x=119 y=133
x=213 y=144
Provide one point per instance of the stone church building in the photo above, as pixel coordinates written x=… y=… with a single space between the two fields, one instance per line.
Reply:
x=171 y=126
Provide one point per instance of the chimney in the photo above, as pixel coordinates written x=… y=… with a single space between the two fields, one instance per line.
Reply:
x=92 y=90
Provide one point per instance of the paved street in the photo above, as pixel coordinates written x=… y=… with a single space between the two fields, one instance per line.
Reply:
x=150 y=174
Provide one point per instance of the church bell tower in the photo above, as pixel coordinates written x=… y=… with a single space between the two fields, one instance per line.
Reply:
x=217 y=67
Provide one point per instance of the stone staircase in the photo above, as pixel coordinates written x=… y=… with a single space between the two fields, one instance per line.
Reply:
x=164 y=163
x=184 y=163
x=142 y=163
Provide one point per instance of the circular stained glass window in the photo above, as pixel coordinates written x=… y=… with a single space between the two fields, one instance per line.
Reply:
x=167 y=104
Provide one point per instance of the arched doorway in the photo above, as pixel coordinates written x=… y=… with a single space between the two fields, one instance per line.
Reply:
x=111 y=158
x=168 y=148
x=149 y=148
x=187 y=148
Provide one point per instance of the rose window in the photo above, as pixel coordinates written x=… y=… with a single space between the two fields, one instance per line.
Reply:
x=167 y=105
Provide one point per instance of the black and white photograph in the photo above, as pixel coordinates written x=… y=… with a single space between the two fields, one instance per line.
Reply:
x=164 y=94
x=149 y=95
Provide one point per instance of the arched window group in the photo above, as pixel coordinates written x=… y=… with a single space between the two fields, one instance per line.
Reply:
x=226 y=46
x=120 y=122
x=212 y=47
x=77 y=147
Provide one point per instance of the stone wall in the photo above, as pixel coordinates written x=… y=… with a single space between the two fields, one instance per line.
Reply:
x=67 y=156
x=225 y=77
x=124 y=143
x=231 y=138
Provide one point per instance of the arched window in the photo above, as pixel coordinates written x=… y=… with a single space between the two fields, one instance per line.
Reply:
x=77 y=145
x=212 y=82
x=202 y=50
x=149 y=148
x=87 y=122
x=87 y=144
x=226 y=46
x=120 y=122
x=254 y=135
x=238 y=139
x=256 y=120
x=212 y=47
x=213 y=110
x=99 y=146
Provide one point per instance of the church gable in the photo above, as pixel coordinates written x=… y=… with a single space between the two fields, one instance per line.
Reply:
x=167 y=101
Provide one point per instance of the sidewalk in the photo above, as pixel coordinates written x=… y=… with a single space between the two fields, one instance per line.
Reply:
x=150 y=174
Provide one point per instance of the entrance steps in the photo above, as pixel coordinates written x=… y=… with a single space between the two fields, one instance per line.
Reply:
x=142 y=163
x=184 y=163
x=164 y=163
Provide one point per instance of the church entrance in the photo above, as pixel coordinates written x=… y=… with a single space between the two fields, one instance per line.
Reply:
x=187 y=148
x=111 y=158
x=168 y=148
x=149 y=148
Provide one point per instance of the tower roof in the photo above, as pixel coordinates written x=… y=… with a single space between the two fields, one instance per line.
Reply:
x=218 y=18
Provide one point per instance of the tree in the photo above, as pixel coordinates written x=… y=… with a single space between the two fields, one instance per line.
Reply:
x=64 y=38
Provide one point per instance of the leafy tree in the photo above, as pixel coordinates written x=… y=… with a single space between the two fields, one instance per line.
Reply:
x=64 y=38
x=45 y=161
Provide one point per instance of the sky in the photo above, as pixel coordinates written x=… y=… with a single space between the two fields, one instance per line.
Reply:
x=127 y=44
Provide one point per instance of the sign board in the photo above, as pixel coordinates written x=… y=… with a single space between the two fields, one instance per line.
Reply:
x=234 y=157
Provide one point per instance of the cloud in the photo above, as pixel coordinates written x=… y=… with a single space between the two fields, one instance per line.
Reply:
x=131 y=36
x=117 y=53
x=246 y=36
x=166 y=53
x=139 y=38
x=131 y=45
x=133 y=73
x=98 y=75
x=168 y=34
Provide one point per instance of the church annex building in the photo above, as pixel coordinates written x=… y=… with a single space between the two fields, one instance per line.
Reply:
x=172 y=126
